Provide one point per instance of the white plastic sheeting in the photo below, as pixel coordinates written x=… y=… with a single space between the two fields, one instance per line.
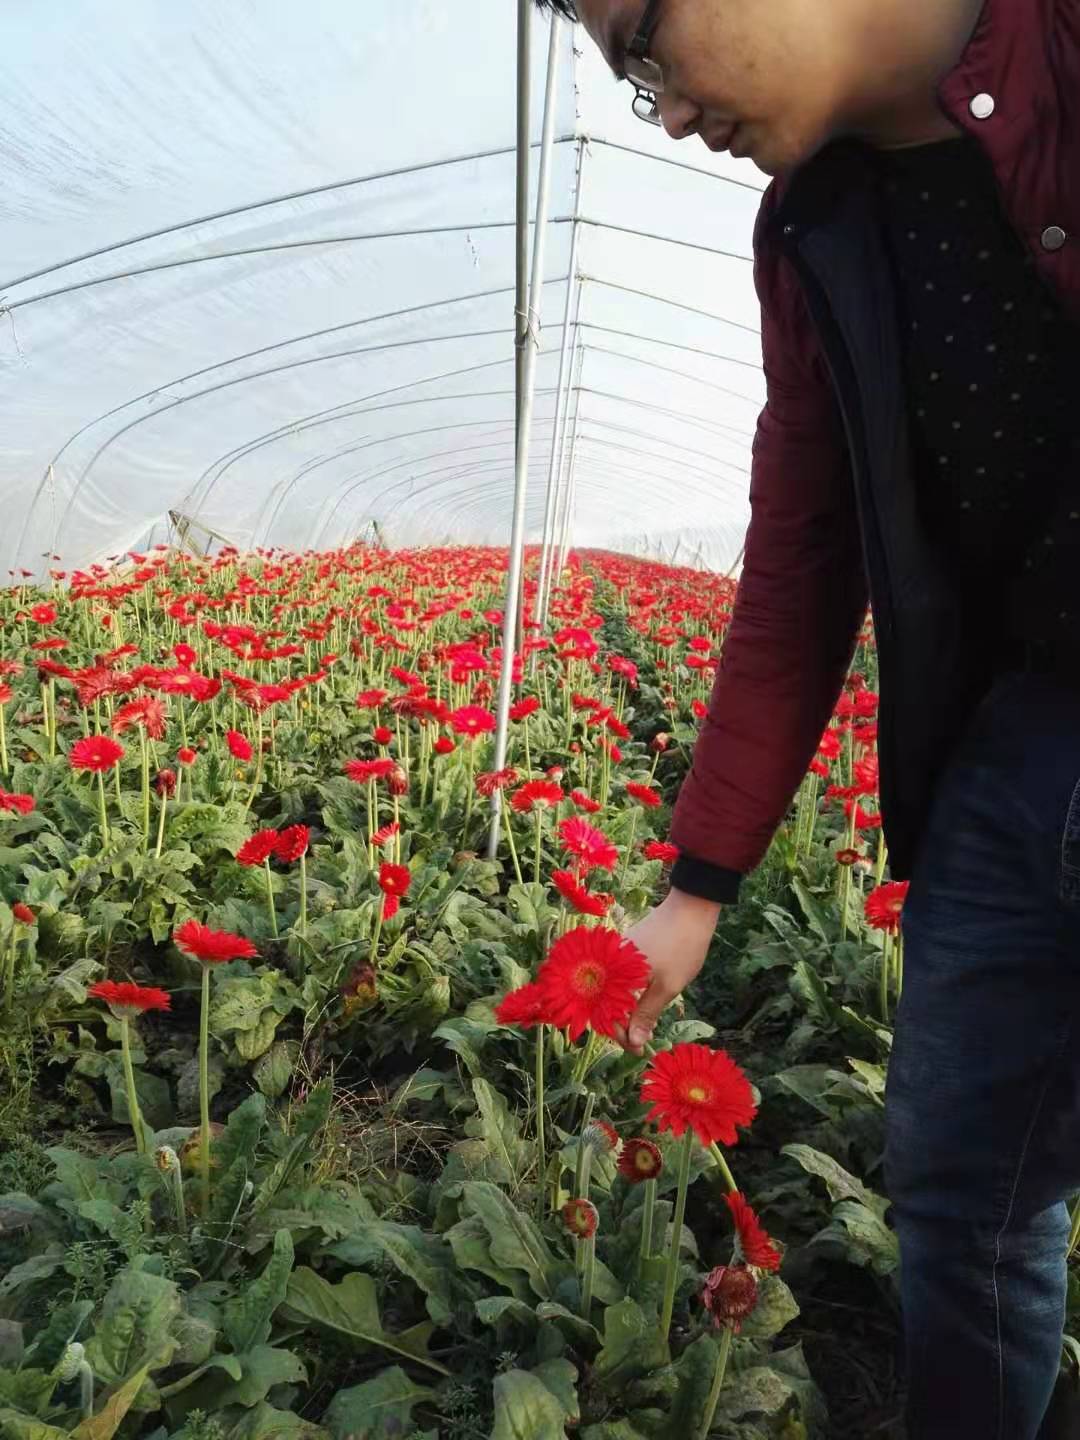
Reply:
x=257 y=266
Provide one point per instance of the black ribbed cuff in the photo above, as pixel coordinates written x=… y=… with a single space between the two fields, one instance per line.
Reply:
x=706 y=881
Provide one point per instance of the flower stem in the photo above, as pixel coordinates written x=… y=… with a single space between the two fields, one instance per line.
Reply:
x=378 y=931
x=648 y=1215
x=270 y=898
x=725 y=1169
x=675 y=1248
x=204 y=1093
x=883 y=977
x=717 y=1384
x=539 y=843
x=587 y=1257
x=103 y=814
x=629 y=846
x=134 y=1113
x=303 y=895
x=510 y=836
x=161 y=825
x=145 y=788
x=541 y=1128
x=3 y=743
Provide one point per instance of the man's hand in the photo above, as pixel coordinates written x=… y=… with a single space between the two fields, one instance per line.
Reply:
x=674 y=938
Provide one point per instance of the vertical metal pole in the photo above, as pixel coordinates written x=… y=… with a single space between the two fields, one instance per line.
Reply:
x=562 y=398
x=562 y=523
x=524 y=115
x=528 y=343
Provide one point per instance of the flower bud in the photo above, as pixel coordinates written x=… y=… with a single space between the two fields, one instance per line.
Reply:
x=581 y=1218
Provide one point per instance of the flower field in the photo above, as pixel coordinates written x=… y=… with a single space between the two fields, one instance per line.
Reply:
x=311 y=1122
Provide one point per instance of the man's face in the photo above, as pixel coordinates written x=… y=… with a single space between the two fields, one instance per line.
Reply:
x=756 y=77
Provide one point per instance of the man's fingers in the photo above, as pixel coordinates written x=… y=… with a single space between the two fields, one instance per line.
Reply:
x=650 y=1007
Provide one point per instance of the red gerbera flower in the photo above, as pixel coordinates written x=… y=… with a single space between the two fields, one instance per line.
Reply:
x=364 y=770
x=43 y=614
x=95 y=752
x=757 y=1249
x=536 y=795
x=640 y=1160
x=581 y=1218
x=126 y=1000
x=292 y=843
x=17 y=804
x=444 y=745
x=258 y=848
x=371 y=699
x=491 y=781
x=591 y=846
x=699 y=708
x=212 y=947
x=523 y=1007
x=23 y=914
x=691 y=1085
x=382 y=735
x=592 y=978
x=661 y=850
x=239 y=745
x=643 y=794
x=390 y=906
x=524 y=708
x=585 y=802
x=472 y=721
x=380 y=837
x=885 y=905
x=394 y=879
x=186 y=755
x=730 y=1295
x=148 y=711
x=584 y=901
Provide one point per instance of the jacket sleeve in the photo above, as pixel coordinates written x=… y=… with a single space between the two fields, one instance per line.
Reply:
x=802 y=598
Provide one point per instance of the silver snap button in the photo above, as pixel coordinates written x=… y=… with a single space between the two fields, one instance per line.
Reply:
x=1053 y=237
x=982 y=106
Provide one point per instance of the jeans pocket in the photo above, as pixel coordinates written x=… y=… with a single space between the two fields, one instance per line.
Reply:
x=1070 y=853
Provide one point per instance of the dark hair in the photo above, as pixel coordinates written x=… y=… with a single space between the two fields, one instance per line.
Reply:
x=561 y=7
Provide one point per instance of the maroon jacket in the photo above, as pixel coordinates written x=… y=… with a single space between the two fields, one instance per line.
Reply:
x=829 y=514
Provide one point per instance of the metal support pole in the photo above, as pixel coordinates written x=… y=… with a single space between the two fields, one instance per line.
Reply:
x=560 y=469
x=528 y=343
x=562 y=399
x=562 y=519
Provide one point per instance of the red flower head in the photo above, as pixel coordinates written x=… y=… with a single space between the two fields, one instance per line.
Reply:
x=536 y=795
x=165 y=783
x=523 y=1007
x=591 y=846
x=6 y=693
x=661 y=850
x=95 y=752
x=443 y=745
x=885 y=905
x=186 y=756
x=43 y=614
x=126 y=1001
x=730 y=1296
x=148 y=711
x=371 y=699
x=184 y=655
x=258 y=848
x=583 y=900
x=592 y=978
x=699 y=708
x=867 y=775
x=581 y=1218
x=239 y=745
x=16 y=804
x=524 y=708
x=602 y=1137
x=364 y=770
x=691 y=1085
x=640 y=1160
x=382 y=735
x=390 y=906
x=492 y=781
x=829 y=749
x=23 y=914
x=292 y=843
x=848 y=857
x=585 y=802
x=387 y=833
x=397 y=781
x=212 y=947
x=643 y=794
x=472 y=721
x=394 y=879
x=754 y=1243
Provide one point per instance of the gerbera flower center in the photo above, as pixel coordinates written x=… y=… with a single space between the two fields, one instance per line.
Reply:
x=699 y=1094
x=589 y=978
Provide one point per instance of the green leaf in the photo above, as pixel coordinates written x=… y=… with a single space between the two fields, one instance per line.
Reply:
x=246 y=1318
x=467 y=1038
x=426 y=1259
x=811 y=908
x=273 y=1071
x=493 y=1309
x=525 y=1409
x=351 y=1309
x=471 y=1244
x=307 y=1123
x=779 y=1390
x=560 y=1376
x=516 y=1240
x=266 y=1423
x=38 y=1267
x=776 y=1307
x=380 y=1409
x=136 y=1326
x=426 y=1084
x=840 y=1184
x=14 y=1426
x=104 y=1425
x=870 y=1242
x=234 y=1156
x=501 y=1132
x=633 y=1345
x=696 y=1369
x=29 y=1390
x=258 y=1371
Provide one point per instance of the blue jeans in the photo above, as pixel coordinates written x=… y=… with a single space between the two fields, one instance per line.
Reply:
x=983 y=1106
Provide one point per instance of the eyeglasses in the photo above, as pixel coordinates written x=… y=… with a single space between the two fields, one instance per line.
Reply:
x=644 y=73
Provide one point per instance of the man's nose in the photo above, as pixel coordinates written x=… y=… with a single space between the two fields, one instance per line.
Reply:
x=681 y=117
